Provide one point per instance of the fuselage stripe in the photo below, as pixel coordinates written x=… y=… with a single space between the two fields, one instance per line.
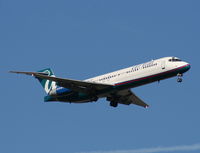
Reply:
x=139 y=79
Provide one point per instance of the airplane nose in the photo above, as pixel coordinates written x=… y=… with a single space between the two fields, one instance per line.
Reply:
x=188 y=66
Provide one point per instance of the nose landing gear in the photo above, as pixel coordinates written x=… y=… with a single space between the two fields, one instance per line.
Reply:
x=180 y=79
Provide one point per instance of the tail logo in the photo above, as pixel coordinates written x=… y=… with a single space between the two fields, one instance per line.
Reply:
x=48 y=72
x=49 y=85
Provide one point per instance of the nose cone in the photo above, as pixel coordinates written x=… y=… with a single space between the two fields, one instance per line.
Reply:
x=187 y=67
x=184 y=68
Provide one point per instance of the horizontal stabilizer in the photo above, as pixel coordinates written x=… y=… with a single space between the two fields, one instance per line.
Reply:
x=75 y=85
x=29 y=73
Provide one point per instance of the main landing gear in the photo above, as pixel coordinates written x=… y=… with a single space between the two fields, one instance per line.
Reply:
x=113 y=101
x=180 y=79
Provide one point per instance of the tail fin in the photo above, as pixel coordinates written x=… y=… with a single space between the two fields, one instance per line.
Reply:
x=47 y=84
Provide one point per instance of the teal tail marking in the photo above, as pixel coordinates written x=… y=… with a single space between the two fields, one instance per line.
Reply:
x=49 y=98
x=47 y=84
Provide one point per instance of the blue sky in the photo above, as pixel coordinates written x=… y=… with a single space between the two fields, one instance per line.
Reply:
x=82 y=39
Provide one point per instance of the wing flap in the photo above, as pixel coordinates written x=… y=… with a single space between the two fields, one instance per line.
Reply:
x=137 y=101
x=127 y=97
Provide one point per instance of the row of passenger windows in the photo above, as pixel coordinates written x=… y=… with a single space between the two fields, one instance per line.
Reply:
x=112 y=76
x=133 y=70
x=150 y=65
x=143 y=67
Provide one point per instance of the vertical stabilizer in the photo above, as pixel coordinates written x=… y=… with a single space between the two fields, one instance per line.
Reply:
x=48 y=85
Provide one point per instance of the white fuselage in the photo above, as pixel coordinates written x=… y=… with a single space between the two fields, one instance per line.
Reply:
x=125 y=79
x=139 y=71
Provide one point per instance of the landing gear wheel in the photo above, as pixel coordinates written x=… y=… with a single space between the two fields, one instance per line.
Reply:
x=113 y=103
x=179 y=80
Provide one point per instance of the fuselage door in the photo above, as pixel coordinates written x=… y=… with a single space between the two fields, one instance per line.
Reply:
x=163 y=64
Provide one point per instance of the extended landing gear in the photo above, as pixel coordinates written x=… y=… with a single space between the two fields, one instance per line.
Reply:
x=180 y=79
x=113 y=103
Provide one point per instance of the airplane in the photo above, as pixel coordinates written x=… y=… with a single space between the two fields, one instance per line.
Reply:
x=115 y=86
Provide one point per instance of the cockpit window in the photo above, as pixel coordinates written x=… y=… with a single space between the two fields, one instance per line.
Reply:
x=173 y=59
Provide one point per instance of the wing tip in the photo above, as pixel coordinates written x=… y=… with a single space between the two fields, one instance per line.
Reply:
x=12 y=72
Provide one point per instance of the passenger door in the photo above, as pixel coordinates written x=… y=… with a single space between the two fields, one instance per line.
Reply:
x=163 y=64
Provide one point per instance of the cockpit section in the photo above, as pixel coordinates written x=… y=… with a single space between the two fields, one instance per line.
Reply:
x=174 y=59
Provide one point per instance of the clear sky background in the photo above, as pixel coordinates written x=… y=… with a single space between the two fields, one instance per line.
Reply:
x=81 y=39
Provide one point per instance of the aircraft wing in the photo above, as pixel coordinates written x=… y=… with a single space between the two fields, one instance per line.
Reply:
x=76 y=85
x=127 y=97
